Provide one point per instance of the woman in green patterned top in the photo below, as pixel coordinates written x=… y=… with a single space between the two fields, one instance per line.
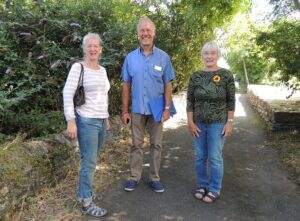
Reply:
x=210 y=111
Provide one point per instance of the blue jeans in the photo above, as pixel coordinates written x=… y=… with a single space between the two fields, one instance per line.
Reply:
x=91 y=133
x=208 y=152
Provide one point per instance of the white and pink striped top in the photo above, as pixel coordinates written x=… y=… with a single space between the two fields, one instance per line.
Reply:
x=96 y=87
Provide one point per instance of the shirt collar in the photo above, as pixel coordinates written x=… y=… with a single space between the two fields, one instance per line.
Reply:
x=153 y=50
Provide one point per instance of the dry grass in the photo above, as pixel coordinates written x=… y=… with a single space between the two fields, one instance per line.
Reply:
x=288 y=143
x=59 y=203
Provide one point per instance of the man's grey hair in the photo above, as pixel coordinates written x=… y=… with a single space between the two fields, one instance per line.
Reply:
x=143 y=19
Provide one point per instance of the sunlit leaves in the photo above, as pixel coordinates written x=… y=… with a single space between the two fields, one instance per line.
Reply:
x=282 y=43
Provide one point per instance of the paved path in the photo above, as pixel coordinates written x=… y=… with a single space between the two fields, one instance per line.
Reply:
x=255 y=187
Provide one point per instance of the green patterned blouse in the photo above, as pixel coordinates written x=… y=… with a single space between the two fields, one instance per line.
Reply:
x=210 y=95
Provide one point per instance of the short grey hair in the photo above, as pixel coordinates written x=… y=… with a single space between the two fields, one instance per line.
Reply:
x=91 y=36
x=145 y=19
x=211 y=45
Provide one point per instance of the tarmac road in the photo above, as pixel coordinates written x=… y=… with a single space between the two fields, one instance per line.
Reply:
x=255 y=186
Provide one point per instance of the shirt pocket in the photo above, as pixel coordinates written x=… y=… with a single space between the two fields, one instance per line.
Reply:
x=156 y=71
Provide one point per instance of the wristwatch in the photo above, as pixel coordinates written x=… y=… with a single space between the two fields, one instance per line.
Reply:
x=230 y=120
x=167 y=107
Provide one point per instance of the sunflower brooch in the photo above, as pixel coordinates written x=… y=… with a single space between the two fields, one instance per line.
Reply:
x=216 y=78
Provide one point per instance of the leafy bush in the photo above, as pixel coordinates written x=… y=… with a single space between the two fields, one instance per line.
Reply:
x=38 y=44
x=34 y=124
x=39 y=40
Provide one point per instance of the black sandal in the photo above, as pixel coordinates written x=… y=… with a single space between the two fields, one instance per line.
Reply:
x=213 y=196
x=200 y=193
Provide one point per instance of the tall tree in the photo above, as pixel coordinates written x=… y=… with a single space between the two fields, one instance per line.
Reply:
x=281 y=44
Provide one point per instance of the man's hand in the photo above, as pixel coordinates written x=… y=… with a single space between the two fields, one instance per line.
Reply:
x=126 y=118
x=165 y=116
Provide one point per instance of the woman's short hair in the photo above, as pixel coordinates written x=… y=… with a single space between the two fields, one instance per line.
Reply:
x=211 y=45
x=143 y=19
x=90 y=36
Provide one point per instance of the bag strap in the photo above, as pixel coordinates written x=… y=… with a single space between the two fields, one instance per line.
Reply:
x=80 y=80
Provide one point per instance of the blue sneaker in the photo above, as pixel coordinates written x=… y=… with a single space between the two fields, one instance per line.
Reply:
x=157 y=187
x=130 y=185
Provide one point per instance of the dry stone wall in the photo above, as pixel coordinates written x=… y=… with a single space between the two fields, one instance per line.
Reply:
x=278 y=112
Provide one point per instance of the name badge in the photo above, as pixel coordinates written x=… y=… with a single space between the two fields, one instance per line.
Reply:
x=158 y=68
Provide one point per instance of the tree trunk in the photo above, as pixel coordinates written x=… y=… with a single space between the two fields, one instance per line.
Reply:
x=246 y=73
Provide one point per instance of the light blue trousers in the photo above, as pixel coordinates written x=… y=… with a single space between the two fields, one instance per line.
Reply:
x=91 y=133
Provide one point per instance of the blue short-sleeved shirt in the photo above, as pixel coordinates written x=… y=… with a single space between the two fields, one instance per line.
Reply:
x=148 y=76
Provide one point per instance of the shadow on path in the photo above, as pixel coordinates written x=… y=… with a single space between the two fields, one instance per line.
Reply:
x=255 y=188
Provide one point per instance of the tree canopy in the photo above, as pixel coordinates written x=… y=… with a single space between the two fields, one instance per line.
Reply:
x=269 y=51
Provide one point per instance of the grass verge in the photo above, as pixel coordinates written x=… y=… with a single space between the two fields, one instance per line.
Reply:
x=59 y=203
x=288 y=144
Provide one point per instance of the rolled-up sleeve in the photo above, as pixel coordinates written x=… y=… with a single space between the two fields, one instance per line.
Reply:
x=169 y=74
x=125 y=72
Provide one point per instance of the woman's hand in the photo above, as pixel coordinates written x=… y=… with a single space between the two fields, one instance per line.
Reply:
x=108 y=125
x=227 y=130
x=72 y=129
x=194 y=130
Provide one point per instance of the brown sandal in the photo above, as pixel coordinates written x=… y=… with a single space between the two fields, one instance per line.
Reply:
x=212 y=196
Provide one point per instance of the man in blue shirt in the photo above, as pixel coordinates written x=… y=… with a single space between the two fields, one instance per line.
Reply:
x=147 y=74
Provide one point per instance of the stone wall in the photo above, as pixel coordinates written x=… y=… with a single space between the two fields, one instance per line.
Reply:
x=278 y=112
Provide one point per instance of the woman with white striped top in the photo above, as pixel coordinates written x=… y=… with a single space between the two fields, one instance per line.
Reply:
x=89 y=121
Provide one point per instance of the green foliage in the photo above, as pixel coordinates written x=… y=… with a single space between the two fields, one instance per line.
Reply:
x=249 y=59
x=38 y=43
x=243 y=52
x=271 y=53
x=39 y=40
x=183 y=28
x=34 y=124
x=281 y=45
